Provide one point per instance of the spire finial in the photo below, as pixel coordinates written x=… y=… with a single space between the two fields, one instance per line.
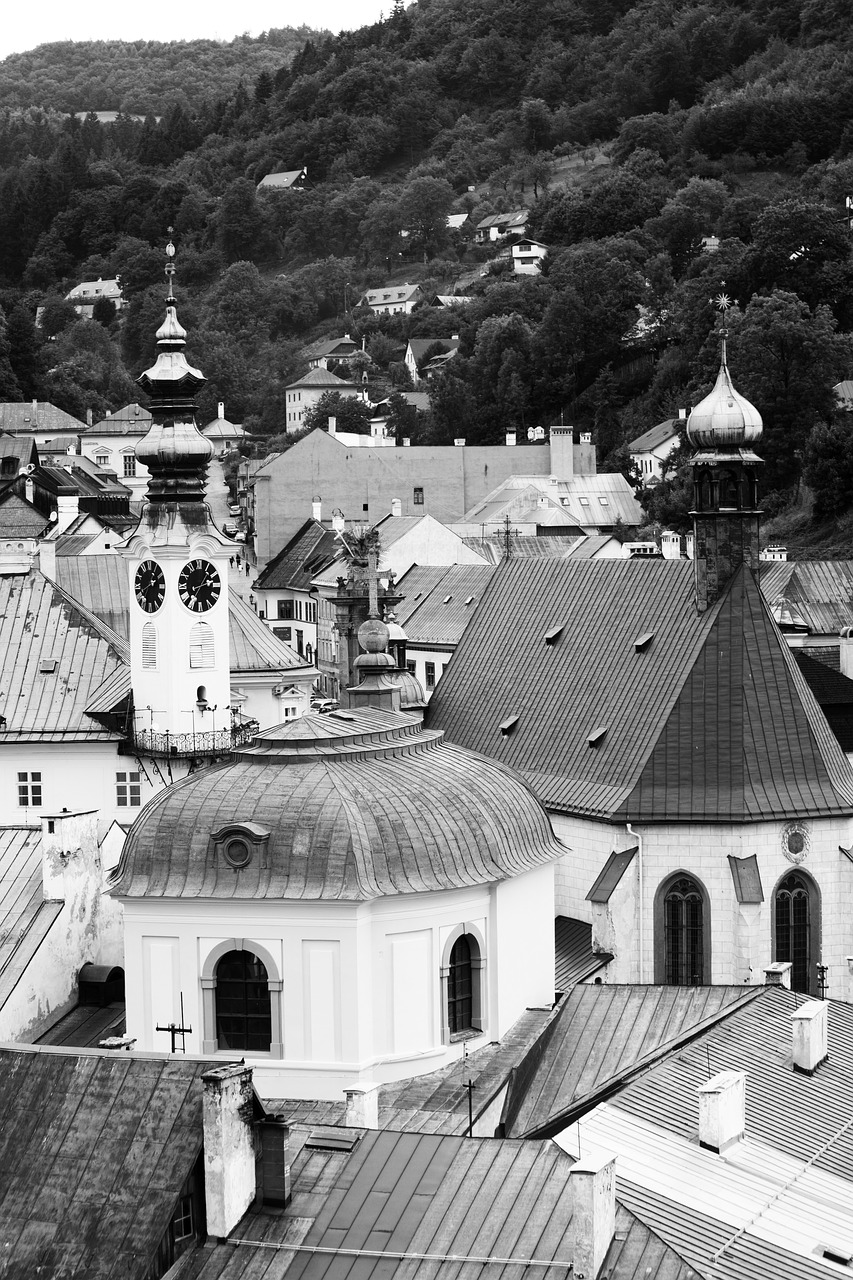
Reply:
x=169 y=269
x=723 y=303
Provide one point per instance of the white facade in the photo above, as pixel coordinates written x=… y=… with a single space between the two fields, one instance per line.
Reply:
x=528 y=256
x=118 y=453
x=75 y=776
x=358 y=990
x=428 y=664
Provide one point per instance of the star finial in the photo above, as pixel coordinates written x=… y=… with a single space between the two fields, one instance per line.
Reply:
x=170 y=264
x=722 y=301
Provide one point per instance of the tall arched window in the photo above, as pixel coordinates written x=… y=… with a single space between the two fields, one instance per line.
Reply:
x=463 y=986
x=681 y=935
x=243 y=1012
x=796 y=920
x=201 y=645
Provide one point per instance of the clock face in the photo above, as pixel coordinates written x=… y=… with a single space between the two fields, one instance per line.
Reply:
x=150 y=586
x=199 y=585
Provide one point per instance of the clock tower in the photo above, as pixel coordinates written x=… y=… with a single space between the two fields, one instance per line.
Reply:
x=178 y=568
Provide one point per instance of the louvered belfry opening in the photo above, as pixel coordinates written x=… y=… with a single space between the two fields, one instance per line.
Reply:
x=683 y=934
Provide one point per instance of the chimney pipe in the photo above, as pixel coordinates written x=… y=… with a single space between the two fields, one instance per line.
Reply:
x=722 y=1110
x=778 y=974
x=593 y=1182
x=362 y=1107
x=316 y=508
x=459 y=442
x=809 y=1042
x=338 y=522
x=396 y=507
x=846 y=652
x=229 y=1148
x=220 y=409
x=275 y=1161
x=333 y=425
x=88 y=417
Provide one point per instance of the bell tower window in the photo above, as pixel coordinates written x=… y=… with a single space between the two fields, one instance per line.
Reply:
x=243 y=1013
x=149 y=647
x=201 y=645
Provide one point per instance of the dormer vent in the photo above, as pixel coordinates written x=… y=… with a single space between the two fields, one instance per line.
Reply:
x=447 y=599
x=509 y=724
x=468 y=600
x=642 y=642
x=552 y=636
x=596 y=738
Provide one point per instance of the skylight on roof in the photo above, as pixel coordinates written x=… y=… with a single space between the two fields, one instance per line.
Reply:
x=584 y=502
x=47 y=666
x=603 y=501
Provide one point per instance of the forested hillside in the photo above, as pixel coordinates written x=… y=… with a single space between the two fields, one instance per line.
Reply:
x=662 y=150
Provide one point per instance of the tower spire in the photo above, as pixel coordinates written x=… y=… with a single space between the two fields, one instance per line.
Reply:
x=174 y=451
x=722 y=428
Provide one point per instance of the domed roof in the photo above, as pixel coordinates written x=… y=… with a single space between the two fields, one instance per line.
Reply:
x=725 y=418
x=348 y=806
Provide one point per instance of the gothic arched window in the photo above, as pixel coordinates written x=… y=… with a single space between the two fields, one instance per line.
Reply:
x=683 y=934
x=463 y=996
x=796 y=920
x=243 y=1011
x=201 y=645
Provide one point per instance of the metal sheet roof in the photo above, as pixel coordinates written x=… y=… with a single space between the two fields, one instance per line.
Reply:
x=818 y=591
x=442 y=614
x=25 y=917
x=95 y=1149
x=252 y=645
x=574 y=958
x=601 y=1035
x=41 y=626
x=309 y=551
x=655 y=436
x=24 y=416
x=711 y=720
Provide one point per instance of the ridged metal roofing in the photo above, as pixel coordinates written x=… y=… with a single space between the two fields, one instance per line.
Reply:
x=709 y=720
x=54 y=656
x=357 y=806
x=20 y=416
x=25 y=917
x=600 y=1035
x=818 y=591
x=252 y=645
x=95 y=1148
x=455 y=1199
x=574 y=958
x=300 y=560
x=442 y=614
x=656 y=435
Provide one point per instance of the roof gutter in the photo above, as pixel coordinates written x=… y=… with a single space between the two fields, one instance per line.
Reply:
x=635 y=835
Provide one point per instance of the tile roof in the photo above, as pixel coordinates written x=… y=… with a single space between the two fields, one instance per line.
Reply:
x=655 y=436
x=25 y=917
x=20 y=448
x=330 y=347
x=404 y=1195
x=599 y=1037
x=442 y=615
x=517 y=218
x=41 y=625
x=574 y=958
x=820 y=592
x=20 y=417
x=774 y=1200
x=710 y=720
x=96 y=1148
x=20 y=519
x=311 y=549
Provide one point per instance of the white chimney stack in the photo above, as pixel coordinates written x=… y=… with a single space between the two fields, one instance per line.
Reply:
x=338 y=522
x=722 y=1110
x=333 y=425
x=229 y=1147
x=778 y=974
x=593 y=1182
x=510 y=438
x=362 y=1107
x=846 y=652
x=810 y=1036
x=459 y=442
x=396 y=508
x=316 y=509
x=220 y=409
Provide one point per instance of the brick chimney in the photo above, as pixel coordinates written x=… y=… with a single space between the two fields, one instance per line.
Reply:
x=274 y=1162
x=722 y=1110
x=593 y=1182
x=810 y=1044
x=229 y=1147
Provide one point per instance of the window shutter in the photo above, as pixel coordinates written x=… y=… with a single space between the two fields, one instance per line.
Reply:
x=149 y=647
x=201 y=645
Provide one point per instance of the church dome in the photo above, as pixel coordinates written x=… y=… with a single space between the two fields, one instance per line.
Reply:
x=350 y=806
x=725 y=418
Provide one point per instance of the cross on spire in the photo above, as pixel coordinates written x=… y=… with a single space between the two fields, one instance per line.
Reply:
x=169 y=268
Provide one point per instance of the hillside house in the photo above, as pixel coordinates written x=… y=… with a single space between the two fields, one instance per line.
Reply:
x=84 y=295
x=111 y=443
x=286 y=180
x=331 y=351
x=393 y=299
x=307 y=391
x=528 y=256
x=498 y=225
x=418 y=347
x=650 y=451
x=41 y=420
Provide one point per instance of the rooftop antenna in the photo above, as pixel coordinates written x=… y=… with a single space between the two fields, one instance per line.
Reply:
x=177 y=1029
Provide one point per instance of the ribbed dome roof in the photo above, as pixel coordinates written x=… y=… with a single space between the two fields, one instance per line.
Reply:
x=347 y=806
x=724 y=418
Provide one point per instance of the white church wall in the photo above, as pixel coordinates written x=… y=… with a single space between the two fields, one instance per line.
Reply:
x=590 y=844
x=522 y=946
x=74 y=776
x=615 y=928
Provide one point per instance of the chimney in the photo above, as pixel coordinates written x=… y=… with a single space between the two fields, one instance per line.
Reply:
x=846 y=652
x=220 y=409
x=88 y=417
x=47 y=557
x=362 y=1107
x=670 y=545
x=67 y=511
x=347 y=338
x=35 y=407
x=562 y=452
x=778 y=974
x=810 y=1044
x=333 y=426
x=229 y=1148
x=682 y=415
x=406 y=442
x=338 y=522
x=722 y=1110
x=510 y=439
x=29 y=489
x=459 y=442
x=396 y=508
x=274 y=1163
x=593 y=1182
x=316 y=509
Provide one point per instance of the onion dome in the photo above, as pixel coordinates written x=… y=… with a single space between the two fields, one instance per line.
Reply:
x=174 y=451
x=724 y=419
x=350 y=806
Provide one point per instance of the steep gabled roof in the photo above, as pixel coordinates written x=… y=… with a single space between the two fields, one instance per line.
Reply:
x=818 y=592
x=441 y=615
x=320 y=378
x=308 y=551
x=252 y=645
x=637 y=707
x=655 y=436
x=40 y=415
x=20 y=519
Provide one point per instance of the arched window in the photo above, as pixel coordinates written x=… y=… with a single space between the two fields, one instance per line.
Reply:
x=463 y=986
x=796 y=926
x=243 y=1013
x=201 y=645
x=149 y=647
x=682 y=934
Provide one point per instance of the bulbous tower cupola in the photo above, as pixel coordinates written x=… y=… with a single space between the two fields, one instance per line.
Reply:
x=722 y=428
x=174 y=451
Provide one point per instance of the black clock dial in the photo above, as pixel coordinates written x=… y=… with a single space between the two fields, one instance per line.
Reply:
x=199 y=585
x=150 y=586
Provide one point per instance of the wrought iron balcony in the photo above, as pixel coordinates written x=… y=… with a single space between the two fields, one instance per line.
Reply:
x=217 y=742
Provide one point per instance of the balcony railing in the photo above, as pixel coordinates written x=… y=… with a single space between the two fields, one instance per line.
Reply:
x=217 y=742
